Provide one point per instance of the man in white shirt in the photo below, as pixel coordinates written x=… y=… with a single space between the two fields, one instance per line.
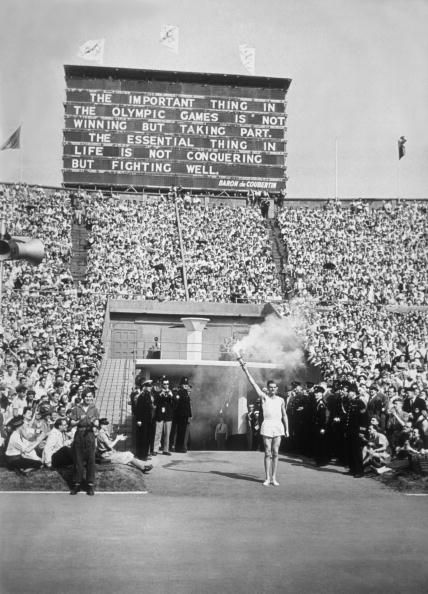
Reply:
x=20 y=453
x=57 y=451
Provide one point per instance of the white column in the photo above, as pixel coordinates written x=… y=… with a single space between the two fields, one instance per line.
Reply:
x=194 y=327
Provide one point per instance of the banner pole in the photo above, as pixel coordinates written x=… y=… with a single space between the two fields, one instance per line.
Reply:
x=398 y=180
x=336 y=172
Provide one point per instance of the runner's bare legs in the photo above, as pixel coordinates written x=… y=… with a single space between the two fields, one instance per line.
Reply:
x=276 y=442
x=267 y=442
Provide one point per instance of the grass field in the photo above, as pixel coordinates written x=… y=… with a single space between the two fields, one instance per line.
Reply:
x=109 y=477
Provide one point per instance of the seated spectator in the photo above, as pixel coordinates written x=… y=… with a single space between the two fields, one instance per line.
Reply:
x=57 y=452
x=106 y=451
x=20 y=452
x=376 y=452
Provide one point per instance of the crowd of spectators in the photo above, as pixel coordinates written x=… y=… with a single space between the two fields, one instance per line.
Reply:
x=50 y=333
x=228 y=255
x=360 y=288
x=357 y=277
x=360 y=254
x=134 y=250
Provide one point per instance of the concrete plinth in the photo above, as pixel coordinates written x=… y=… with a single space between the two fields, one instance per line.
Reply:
x=194 y=327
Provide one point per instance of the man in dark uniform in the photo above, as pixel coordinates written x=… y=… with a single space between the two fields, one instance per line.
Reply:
x=319 y=427
x=143 y=409
x=292 y=403
x=182 y=415
x=356 y=423
x=335 y=426
x=255 y=420
x=84 y=417
x=298 y=412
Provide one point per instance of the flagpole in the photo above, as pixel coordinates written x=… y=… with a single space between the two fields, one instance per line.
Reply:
x=21 y=165
x=398 y=180
x=336 y=173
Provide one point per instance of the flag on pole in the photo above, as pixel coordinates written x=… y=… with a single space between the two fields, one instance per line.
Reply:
x=13 y=142
x=401 y=148
x=169 y=37
x=92 y=50
x=248 y=57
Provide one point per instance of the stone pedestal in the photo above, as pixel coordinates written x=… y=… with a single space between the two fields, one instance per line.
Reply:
x=194 y=327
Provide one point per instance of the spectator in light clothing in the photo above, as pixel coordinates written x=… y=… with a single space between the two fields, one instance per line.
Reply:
x=57 y=451
x=221 y=434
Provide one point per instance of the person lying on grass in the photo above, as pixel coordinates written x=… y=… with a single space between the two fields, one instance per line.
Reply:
x=106 y=451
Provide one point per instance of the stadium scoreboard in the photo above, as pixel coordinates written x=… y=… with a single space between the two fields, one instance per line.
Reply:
x=156 y=129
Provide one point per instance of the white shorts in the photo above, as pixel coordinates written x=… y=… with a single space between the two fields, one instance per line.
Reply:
x=272 y=429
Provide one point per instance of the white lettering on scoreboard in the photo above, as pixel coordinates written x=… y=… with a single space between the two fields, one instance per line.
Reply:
x=203 y=140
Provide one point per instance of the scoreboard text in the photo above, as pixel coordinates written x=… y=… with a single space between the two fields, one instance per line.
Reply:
x=158 y=133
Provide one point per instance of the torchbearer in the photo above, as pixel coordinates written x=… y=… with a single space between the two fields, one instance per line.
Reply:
x=274 y=426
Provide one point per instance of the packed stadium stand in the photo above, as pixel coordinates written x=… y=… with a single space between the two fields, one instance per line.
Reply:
x=355 y=275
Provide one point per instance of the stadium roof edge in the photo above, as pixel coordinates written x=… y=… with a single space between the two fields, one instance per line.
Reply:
x=181 y=76
x=192 y=308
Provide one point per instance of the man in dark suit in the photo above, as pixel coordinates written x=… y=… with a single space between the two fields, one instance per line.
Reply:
x=143 y=410
x=319 y=427
x=182 y=415
x=356 y=423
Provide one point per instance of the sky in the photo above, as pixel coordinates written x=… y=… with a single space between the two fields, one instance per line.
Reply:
x=359 y=71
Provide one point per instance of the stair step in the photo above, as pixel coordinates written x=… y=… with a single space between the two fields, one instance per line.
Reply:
x=79 y=257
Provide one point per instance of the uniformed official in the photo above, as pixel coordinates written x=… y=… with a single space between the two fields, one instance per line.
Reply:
x=182 y=415
x=255 y=420
x=144 y=410
x=336 y=420
x=356 y=423
x=319 y=427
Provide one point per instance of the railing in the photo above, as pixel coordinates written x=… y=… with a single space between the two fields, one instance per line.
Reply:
x=210 y=351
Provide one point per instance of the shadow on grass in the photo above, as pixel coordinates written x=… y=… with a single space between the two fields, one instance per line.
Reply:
x=233 y=475
x=307 y=463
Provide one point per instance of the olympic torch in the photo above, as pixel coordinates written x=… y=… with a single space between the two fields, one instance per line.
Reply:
x=239 y=356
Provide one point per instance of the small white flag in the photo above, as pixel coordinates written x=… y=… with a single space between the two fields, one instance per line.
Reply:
x=92 y=50
x=169 y=37
x=248 y=57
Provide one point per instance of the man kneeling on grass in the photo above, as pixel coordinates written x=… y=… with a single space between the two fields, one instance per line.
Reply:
x=106 y=451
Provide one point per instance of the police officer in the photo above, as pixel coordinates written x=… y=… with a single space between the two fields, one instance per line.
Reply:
x=255 y=419
x=336 y=420
x=319 y=427
x=143 y=410
x=356 y=423
x=182 y=415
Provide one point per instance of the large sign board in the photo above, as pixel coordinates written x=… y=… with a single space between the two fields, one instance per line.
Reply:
x=147 y=129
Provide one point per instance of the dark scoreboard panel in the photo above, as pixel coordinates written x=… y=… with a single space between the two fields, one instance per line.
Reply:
x=157 y=129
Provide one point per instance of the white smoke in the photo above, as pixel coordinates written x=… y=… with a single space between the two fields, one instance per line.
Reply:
x=274 y=341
